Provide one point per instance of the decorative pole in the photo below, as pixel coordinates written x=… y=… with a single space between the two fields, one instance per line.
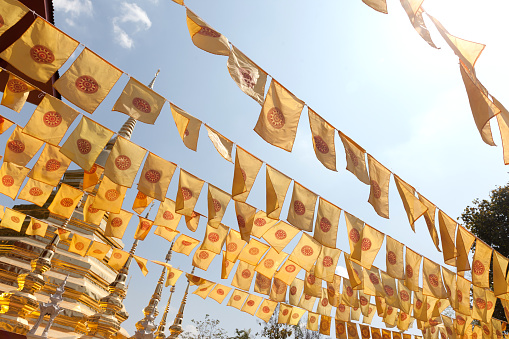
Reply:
x=159 y=334
x=176 y=328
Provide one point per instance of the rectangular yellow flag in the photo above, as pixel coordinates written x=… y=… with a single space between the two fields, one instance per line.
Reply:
x=142 y=264
x=354 y=228
x=312 y=285
x=204 y=289
x=117 y=224
x=262 y=284
x=246 y=169
x=500 y=285
x=278 y=290
x=284 y=313
x=86 y=142
x=432 y=279
x=217 y=202
x=185 y=244
x=205 y=37
x=447 y=231
x=302 y=208
x=36 y=227
x=11 y=12
x=11 y=178
x=234 y=245
x=139 y=102
x=92 y=177
x=253 y=252
x=13 y=219
x=312 y=324
x=203 y=258
x=394 y=258
x=245 y=218
x=21 y=147
x=223 y=145
x=279 y=117
x=269 y=264
x=306 y=252
x=215 y=238
x=124 y=161
x=166 y=233
x=156 y=176
x=50 y=166
x=142 y=201
x=463 y=295
x=88 y=81
x=40 y=51
x=36 y=192
x=166 y=215
x=326 y=224
x=193 y=221
x=322 y=134
x=370 y=244
x=15 y=93
x=414 y=208
x=326 y=263
x=237 y=299
x=243 y=276
x=429 y=217
x=481 y=263
x=251 y=304
x=296 y=288
x=355 y=158
x=65 y=201
x=79 y=244
x=379 y=177
x=110 y=196
x=276 y=186
x=90 y=214
x=325 y=325
x=412 y=269
x=143 y=229
x=261 y=224
x=98 y=250
x=188 y=192
x=187 y=126
x=296 y=315
x=219 y=293
x=288 y=271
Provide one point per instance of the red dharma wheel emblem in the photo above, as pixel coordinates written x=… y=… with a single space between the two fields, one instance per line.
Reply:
x=207 y=31
x=285 y=312
x=352 y=331
x=353 y=157
x=167 y=215
x=268 y=263
x=354 y=235
x=433 y=280
x=250 y=303
x=276 y=118
x=232 y=247
x=478 y=267
x=331 y=291
x=366 y=244
x=17 y=86
x=403 y=316
x=409 y=271
x=111 y=194
x=42 y=54
x=7 y=180
x=92 y=210
x=52 y=119
x=307 y=297
x=84 y=146
x=376 y=335
x=117 y=256
x=341 y=308
x=16 y=146
x=36 y=226
x=480 y=303
x=293 y=290
x=389 y=310
x=489 y=305
x=290 y=268
x=266 y=309
x=374 y=279
x=460 y=320
x=145 y=225
x=312 y=319
x=213 y=237
x=141 y=105
x=66 y=202
x=299 y=207
x=363 y=300
x=35 y=191
x=311 y=279
x=260 y=222
x=306 y=250
x=86 y=84
x=52 y=165
x=485 y=329
x=186 y=243
x=375 y=188
x=15 y=219
x=404 y=295
x=321 y=145
x=349 y=291
x=365 y=333
x=203 y=255
x=241 y=221
x=327 y=261
x=237 y=298
x=116 y=222
x=247 y=77
x=254 y=251
x=98 y=252
x=79 y=246
x=459 y=295
x=391 y=258
x=295 y=315
x=325 y=225
x=186 y=193
x=217 y=205
x=122 y=162
x=152 y=176
x=280 y=234
x=325 y=302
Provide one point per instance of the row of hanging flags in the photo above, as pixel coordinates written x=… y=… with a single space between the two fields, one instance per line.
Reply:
x=37 y=55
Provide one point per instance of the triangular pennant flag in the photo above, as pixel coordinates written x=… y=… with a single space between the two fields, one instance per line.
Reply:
x=15 y=93
x=204 y=37
x=302 y=208
x=276 y=187
x=246 y=169
x=323 y=140
x=355 y=158
x=414 y=208
x=187 y=126
x=414 y=11
x=379 y=177
x=223 y=145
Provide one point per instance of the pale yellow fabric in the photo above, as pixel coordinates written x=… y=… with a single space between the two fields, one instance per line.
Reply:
x=15 y=93
x=287 y=272
x=234 y=245
x=142 y=201
x=237 y=299
x=243 y=276
x=223 y=145
x=79 y=244
x=312 y=324
x=414 y=11
x=372 y=282
x=276 y=185
x=326 y=263
x=326 y=224
x=253 y=252
x=143 y=229
x=354 y=273
x=333 y=289
x=156 y=176
x=40 y=51
x=11 y=12
x=166 y=233
x=324 y=306
x=414 y=208
x=214 y=238
x=463 y=295
x=266 y=310
x=312 y=285
x=432 y=279
x=322 y=134
x=13 y=219
x=217 y=202
x=479 y=303
x=370 y=245
x=371 y=313
x=278 y=290
x=5 y=124
x=296 y=288
x=172 y=276
x=142 y=264
x=65 y=201
x=246 y=169
x=124 y=162
x=262 y=284
x=205 y=37
x=118 y=259
x=349 y=296
x=306 y=252
x=226 y=267
x=343 y=313
x=250 y=78
x=139 y=102
x=450 y=285
x=302 y=208
x=377 y=5
x=262 y=224
x=203 y=258
x=279 y=118
x=21 y=147
x=420 y=309
x=11 y=178
x=429 y=217
x=36 y=192
x=355 y=158
x=166 y=215
x=269 y=264
x=188 y=192
x=98 y=250
x=379 y=177
x=391 y=292
x=204 y=289
x=447 y=231
x=193 y=221
x=187 y=126
x=404 y=295
x=354 y=228
x=110 y=196
x=219 y=293
x=36 y=227
x=412 y=269
x=503 y=126
x=394 y=258
x=63 y=234
x=245 y=218
x=464 y=241
x=86 y=142
x=50 y=166
x=185 y=244
x=296 y=315
x=480 y=264
x=117 y=224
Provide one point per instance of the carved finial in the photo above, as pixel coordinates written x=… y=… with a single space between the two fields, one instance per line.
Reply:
x=151 y=85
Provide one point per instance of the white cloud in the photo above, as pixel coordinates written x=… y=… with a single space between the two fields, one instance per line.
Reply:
x=73 y=8
x=137 y=20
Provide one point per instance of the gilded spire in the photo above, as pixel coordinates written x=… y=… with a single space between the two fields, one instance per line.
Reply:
x=159 y=334
x=176 y=328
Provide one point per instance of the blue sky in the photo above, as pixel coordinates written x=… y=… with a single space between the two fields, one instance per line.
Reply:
x=370 y=75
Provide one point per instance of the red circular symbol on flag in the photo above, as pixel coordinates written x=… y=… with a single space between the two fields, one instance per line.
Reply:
x=141 y=195
x=79 y=246
x=220 y=291
x=306 y=250
x=237 y=298
x=36 y=226
x=352 y=331
x=266 y=309
x=459 y=295
x=254 y=251
x=7 y=180
x=35 y=191
x=92 y=170
x=268 y=263
x=92 y=210
x=480 y=303
x=186 y=243
x=280 y=234
x=363 y=300
x=207 y=31
x=15 y=219
x=290 y=268
x=375 y=188
x=171 y=275
x=295 y=315
x=259 y=222
x=340 y=328
x=216 y=204
x=433 y=280
x=141 y=105
x=389 y=310
x=365 y=333
x=262 y=281
x=86 y=84
x=341 y=308
x=320 y=144
x=117 y=255
x=116 y=222
x=250 y=303
x=307 y=297
x=42 y=54
x=325 y=225
x=391 y=258
x=241 y=221
x=246 y=274
x=16 y=146
x=366 y=244
x=167 y=215
x=485 y=329
x=354 y=235
x=374 y=279
x=327 y=261
x=331 y=291
x=203 y=255
x=52 y=165
x=403 y=316
x=285 y=312
x=152 y=176
x=311 y=279
x=84 y=146
x=325 y=302
x=460 y=320
x=388 y=290
x=489 y=305
x=111 y=194
x=299 y=207
x=349 y=291
x=186 y=133
x=145 y=225
x=213 y=237
x=186 y=193
x=409 y=271
x=247 y=77
x=293 y=290
x=353 y=157
x=312 y=319
x=404 y=295
x=17 y=86
x=478 y=267
x=276 y=118
x=52 y=119
x=231 y=247
x=66 y=202
x=122 y=162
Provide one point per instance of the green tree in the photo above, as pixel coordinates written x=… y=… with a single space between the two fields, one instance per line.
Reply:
x=208 y=328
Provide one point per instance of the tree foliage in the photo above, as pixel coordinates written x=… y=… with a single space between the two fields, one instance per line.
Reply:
x=208 y=328
x=242 y=334
x=273 y=330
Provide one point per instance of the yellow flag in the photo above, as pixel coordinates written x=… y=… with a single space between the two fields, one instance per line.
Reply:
x=354 y=228
x=124 y=161
x=414 y=208
x=217 y=202
x=110 y=196
x=371 y=243
x=432 y=279
x=226 y=267
x=247 y=167
x=98 y=250
x=243 y=276
x=276 y=187
x=450 y=285
x=296 y=315
x=253 y=252
x=36 y=227
x=500 y=285
x=143 y=229
x=288 y=271
x=391 y=292
x=326 y=225
x=90 y=214
x=50 y=166
x=351 y=328
x=324 y=307
x=92 y=177
x=63 y=234
x=302 y=208
x=86 y=142
x=379 y=177
x=296 y=288
x=326 y=263
x=306 y=252
x=117 y=224
x=333 y=290
x=372 y=283
x=215 y=238
x=414 y=11
x=223 y=145
x=377 y=5
x=203 y=258
x=205 y=37
x=269 y=264
x=323 y=140
x=21 y=148
x=118 y=258
x=481 y=263
x=40 y=51
x=12 y=219
x=284 y=313
x=279 y=235
x=355 y=158
x=429 y=217
x=12 y=176
x=166 y=233
x=192 y=221
x=404 y=295
x=36 y=192
x=447 y=231
x=142 y=201
x=50 y=120
x=11 y=12
x=245 y=218
x=279 y=117
x=237 y=299
x=187 y=126
x=261 y=224
x=185 y=244
x=188 y=192
x=375 y=333
x=172 y=276
x=464 y=241
x=479 y=303
x=234 y=245
x=251 y=304
x=5 y=124
x=65 y=201
x=79 y=244
x=139 y=102
x=278 y=290
x=394 y=259
x=412 y=269
x=88 y=81
x=307 y=302
x=142 y=264
x=15 y=93
x=250 y=78
x=463 y=295
x=325 y=325
x=156 y=176
x=262 y=284
x=166 y=215
x=312 y=324
x=219 y=293
x=312 y=285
